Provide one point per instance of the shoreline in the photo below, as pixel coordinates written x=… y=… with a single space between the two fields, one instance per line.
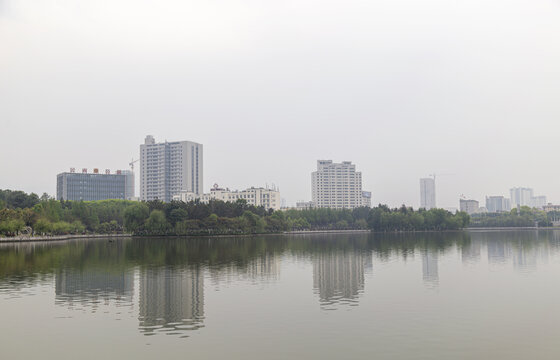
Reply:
x=27 y=239
x=20 y=239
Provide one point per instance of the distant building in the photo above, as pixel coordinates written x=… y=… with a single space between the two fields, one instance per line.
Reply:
x=525 y=197
x=427 y=193
x=168 y=168
x=549 y=207
x=496 y=204
x=338 y=186
x=95 y=186
x=521 y=196
x=268 y=198
x=469 y=206
x=302 y=205
x=538 y=201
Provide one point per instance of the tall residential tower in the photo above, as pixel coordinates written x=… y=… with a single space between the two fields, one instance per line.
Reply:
x=168 y=168
x=338 y=186
x=427 y=193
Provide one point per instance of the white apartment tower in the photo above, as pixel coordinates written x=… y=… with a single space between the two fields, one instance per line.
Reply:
x=338 y=186
x=521 y=196
x=168 y=168
x=427 y=193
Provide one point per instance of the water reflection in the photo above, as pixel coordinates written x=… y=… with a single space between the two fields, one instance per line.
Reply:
x=338 y=276
x=171 y=300
x=163 y=280
x=471 y=251
x=91 y=287
x=430 y=267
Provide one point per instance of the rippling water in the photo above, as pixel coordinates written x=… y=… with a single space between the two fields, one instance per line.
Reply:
x=479 y=295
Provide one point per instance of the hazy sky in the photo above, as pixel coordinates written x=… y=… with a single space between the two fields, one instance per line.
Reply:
x=403 y=88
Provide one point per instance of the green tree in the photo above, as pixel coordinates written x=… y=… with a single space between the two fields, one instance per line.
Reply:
x=135 y=216
x=157 y=223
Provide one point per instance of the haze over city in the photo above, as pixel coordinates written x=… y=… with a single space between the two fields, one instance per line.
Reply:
x=402 y=89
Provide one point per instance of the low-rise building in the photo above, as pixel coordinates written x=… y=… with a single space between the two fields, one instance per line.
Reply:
x=469 y=206
x=95 y=186
x=268 y=198
x=550 y=207
x=304 y=205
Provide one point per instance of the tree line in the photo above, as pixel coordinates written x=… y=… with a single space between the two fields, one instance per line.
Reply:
x=524 y=217
x=47 y=216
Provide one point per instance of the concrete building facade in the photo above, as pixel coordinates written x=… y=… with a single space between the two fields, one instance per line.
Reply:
x=469 y=206
x=495 y=204
x=524 y=197
x=521 y=196
x=168 y=168
x=338 y=186
x=95 y=186
x=256 y=196
x=427 y=193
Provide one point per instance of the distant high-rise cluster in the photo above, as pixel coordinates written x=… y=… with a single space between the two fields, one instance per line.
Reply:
x=427 y=193
x=168 y=168
x=338 y=186
x=524 y=197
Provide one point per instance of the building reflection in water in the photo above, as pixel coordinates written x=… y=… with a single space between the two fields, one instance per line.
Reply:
x=338 y=276
x=430 y=267
x=471 y=252
x=93 y=287
x=171 y=300
x=262 y=269
x=498 y=251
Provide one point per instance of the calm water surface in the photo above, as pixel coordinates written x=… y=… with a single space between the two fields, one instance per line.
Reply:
x=480 y=295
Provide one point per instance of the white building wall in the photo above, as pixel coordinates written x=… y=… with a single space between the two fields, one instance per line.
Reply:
x=469 y=206
x=268 y=198
x=337 y=186
x=427 y=193
x=167 y=169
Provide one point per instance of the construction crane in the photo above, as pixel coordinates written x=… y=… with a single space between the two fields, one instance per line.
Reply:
x=131 y=163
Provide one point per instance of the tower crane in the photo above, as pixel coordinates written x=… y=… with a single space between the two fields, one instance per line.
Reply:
x=131 y=163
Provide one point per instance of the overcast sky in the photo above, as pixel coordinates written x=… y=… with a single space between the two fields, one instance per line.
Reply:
x=403 y=88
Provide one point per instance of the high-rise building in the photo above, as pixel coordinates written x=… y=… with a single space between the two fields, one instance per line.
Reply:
x=469 y=206
x=168 y=168
x=538 y=201
x=268 y=198
x=496 y=204
x=338 y=186
x=524 y=197
x=427 y=193
x=95 y=186
x=521 y=196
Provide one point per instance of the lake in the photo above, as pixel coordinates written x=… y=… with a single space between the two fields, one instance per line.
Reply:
x=464 y=295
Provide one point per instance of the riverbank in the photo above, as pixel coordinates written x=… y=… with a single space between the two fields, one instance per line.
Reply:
x=475 y=229
x=22 y=238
